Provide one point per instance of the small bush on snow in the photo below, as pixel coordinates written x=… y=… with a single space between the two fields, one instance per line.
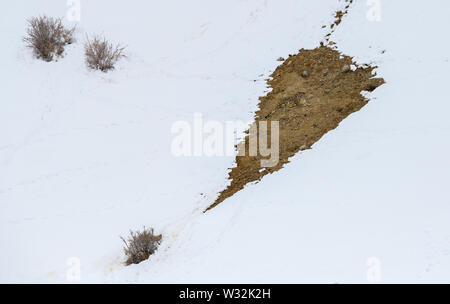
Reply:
x=101 y=54
x=47 y=37
x=140 y=245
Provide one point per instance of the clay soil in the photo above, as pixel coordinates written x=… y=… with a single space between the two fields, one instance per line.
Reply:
x=313 y=92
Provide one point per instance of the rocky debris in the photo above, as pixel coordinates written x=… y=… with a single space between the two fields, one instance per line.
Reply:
x=305 y=74
x=346 y=68
x=280 y=59
x=305 y=110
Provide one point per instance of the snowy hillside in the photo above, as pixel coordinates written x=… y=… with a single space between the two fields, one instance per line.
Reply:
x=85 y=156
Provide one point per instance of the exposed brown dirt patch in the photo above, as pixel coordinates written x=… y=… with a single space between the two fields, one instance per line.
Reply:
x=313 y=92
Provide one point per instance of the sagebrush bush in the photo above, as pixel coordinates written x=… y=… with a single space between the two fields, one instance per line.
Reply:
x=101 y=54
x=140 y=245
x=47 y=36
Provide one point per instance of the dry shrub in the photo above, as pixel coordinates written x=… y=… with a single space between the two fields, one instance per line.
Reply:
x=101 y=54
x=47 y=37
x=140 y=245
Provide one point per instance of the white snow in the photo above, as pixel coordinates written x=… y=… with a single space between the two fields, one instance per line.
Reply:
x=85 y=156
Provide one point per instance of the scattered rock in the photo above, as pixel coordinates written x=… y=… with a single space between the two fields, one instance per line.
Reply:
x=325 y=72
x=305 y=74
x=346 y=68
x=280 y=59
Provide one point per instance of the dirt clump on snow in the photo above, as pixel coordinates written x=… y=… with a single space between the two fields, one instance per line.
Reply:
x=312 y=92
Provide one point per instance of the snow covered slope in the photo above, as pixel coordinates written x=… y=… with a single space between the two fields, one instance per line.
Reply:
x=85 y=156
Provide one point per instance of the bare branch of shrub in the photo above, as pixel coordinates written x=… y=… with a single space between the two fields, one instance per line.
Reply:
x=47 y=37
x=140 y=245
x=101 y=54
